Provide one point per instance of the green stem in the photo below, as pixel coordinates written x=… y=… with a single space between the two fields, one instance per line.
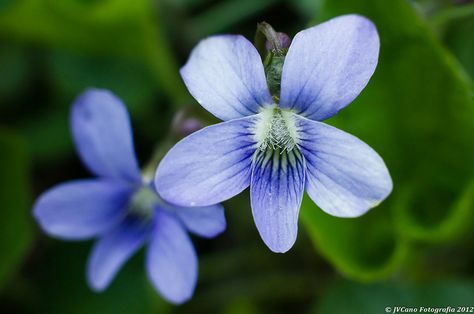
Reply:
x=148 y=171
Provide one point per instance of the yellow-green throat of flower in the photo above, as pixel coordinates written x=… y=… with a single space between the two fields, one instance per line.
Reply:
x=276 y=130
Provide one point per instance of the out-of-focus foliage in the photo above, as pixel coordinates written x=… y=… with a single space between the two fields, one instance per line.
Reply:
x=374 y=298
x=131 y=292
x=15 y=195
x=457 y=33
x=417 y=112
x=110 y=44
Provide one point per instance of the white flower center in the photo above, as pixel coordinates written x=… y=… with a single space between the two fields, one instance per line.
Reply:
x=276 y=129
x=142 y=203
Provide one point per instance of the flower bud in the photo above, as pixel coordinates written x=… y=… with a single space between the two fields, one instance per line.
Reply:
x=183 y=124
x=284 y=42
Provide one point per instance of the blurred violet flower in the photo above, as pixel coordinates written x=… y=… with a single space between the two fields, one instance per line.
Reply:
x=277 y=144
x=120 y=209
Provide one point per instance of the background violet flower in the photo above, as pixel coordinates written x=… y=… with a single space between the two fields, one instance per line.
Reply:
x=275 y=143
x=120 y=209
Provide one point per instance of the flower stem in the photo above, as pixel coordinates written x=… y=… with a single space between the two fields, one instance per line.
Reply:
x=148 y=171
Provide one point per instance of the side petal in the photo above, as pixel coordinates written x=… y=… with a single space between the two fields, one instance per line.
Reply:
x=207 y=222
x=81 y=209
x=208 y=166
x=171 y=262
x=345 y=177
x=103 y=135
x=328 y=65
x=276 y=192
x=225 y=75
x=113 y=250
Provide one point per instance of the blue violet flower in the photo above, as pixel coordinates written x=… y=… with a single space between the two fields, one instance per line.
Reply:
x=275 y=142
x=120 y=208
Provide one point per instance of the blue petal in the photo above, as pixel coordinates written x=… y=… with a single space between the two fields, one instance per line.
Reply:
x=171 y=261
x=276 y=192
x=103 y=136
x=328 y=65
x=113 y=250
x=81 y=209
x=206 y=221
x=225 y=75
x=209 y=166
x=345 y=177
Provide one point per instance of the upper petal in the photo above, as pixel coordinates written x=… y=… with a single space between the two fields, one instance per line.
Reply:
x=225 y=75
x=207 y=221
x=345 y=177
x=171 y=261
x=81 y=209
x=103 y=135
x=276 y=192
x=208 y=166
x=328 y=65
x=113 y=250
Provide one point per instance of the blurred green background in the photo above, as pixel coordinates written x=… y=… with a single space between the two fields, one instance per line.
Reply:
x=415 y=249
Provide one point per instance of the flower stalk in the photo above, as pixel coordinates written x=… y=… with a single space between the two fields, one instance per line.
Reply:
x=275 y=46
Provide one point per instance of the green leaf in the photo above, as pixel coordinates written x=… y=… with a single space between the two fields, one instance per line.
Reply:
x=4 y=4
x=107 y=12
x=365 y=248
x=374 y=298
x=426 y=226
x=16 y=230
x=458 y=37
x=417 y=113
